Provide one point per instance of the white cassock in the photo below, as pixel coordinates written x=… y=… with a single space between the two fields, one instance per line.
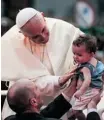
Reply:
x=17 y=62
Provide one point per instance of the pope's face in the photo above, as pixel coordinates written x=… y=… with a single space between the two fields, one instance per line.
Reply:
x=36 y=29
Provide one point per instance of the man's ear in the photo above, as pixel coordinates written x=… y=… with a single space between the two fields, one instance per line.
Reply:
x=33 y=102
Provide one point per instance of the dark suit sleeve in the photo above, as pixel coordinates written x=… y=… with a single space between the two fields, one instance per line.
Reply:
x=12 y=117
x=93 y=116
x=57 y=108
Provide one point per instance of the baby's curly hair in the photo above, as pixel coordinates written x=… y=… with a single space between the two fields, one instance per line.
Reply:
x=89 y=41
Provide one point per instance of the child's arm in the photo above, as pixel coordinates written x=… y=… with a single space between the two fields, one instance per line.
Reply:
x=87 y=79
x=86 y=82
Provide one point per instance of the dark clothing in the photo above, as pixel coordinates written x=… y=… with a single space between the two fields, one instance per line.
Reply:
x=28 y=116
x=55 y=109
x=93 y=116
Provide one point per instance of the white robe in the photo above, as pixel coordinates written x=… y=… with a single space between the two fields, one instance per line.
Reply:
x=17 y=62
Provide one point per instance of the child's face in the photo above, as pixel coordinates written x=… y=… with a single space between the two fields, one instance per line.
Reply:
x=80 y=54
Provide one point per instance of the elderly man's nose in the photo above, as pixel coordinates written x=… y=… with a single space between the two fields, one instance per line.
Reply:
x=43 y=35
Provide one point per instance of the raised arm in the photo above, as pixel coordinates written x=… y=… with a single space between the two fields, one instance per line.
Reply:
x=49 y=85
x=60 y=105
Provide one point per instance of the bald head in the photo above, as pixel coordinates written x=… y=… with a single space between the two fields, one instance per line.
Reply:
x=20 y=94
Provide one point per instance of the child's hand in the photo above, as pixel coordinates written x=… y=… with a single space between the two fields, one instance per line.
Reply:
x=78 y=94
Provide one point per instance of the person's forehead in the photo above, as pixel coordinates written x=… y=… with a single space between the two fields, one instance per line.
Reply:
x=34 y=26
x=79 y=49
x=36 y=20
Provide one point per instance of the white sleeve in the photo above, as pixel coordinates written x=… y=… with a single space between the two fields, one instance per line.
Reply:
x=48 y=85
x=91 y=110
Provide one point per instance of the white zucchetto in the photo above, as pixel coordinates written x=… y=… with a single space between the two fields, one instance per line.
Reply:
x=24 y=16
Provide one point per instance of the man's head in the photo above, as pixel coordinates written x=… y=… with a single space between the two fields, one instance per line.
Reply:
x=24 y=96
x=33 y=25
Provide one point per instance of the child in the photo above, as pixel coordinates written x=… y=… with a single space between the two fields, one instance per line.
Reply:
x=89 y=72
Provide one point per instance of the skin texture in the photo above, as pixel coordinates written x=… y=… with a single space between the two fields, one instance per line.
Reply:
x=80 y=54
x=29 y=94
x=36 y=29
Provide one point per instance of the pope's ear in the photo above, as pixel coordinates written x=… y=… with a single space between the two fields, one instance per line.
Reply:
x=42 y=14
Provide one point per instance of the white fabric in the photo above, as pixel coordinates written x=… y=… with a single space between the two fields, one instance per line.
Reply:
x=42 y=54
x=85 y=99
x=47 y=63
x=24 y=16
x=68 y=99
x=100 y=105
x=91 y=110
x=17 y=62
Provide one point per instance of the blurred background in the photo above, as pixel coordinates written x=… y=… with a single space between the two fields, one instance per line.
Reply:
x=88 y=15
